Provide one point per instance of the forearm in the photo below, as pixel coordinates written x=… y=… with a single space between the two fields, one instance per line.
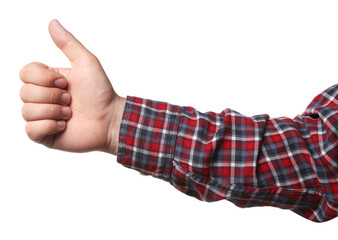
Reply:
x=251 y=161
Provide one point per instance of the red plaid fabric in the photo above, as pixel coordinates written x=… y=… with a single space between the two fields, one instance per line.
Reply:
x=250 y=161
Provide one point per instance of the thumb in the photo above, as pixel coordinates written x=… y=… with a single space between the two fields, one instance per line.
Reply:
x=64 y=40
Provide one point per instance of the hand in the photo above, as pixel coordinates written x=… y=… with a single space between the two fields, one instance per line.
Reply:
x=73 y=109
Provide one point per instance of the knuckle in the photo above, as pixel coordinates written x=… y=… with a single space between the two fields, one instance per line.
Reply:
x=23 y=92
x=22 y=73
x=29 y=131
x=53 y=96
x=47 y=77
x=52 y=111
x=28 y=67
x=92 y=59
x=24 y=111
x=35 y=65
x=49 y=126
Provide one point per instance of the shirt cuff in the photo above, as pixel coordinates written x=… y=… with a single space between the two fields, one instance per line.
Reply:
x=147 y=136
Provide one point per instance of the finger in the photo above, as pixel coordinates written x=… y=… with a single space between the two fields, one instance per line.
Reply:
x=30 y=93
x=36 y=111
x=64 y=40
x=42 y=75
x=37 y=130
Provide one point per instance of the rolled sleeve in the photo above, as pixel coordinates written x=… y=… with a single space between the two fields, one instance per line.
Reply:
x=250 y=161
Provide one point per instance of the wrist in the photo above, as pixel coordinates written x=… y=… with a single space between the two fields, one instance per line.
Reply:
x=114 y=125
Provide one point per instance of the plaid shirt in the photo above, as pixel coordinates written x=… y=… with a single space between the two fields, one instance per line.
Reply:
x=250 y=161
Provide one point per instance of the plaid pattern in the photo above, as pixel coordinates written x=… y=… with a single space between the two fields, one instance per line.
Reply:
x=250 y=161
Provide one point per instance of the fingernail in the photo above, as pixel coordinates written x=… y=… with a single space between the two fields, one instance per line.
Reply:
x=61 y=124
x=65 y=111
x=60 y=82
x=65 y=98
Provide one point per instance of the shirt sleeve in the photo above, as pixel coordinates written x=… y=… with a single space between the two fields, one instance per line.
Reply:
x=250 y=161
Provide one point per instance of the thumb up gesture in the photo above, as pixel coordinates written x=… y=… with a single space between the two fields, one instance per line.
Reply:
x=73 y=109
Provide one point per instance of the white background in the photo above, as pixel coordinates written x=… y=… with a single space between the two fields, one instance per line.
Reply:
x=255 y=57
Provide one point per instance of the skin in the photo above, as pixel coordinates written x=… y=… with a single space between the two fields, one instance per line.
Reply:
x=71 y=109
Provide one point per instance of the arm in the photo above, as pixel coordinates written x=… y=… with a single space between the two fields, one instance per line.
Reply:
x=250 y=161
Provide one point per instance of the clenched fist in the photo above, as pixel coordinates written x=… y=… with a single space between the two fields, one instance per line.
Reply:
x=73 y=109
